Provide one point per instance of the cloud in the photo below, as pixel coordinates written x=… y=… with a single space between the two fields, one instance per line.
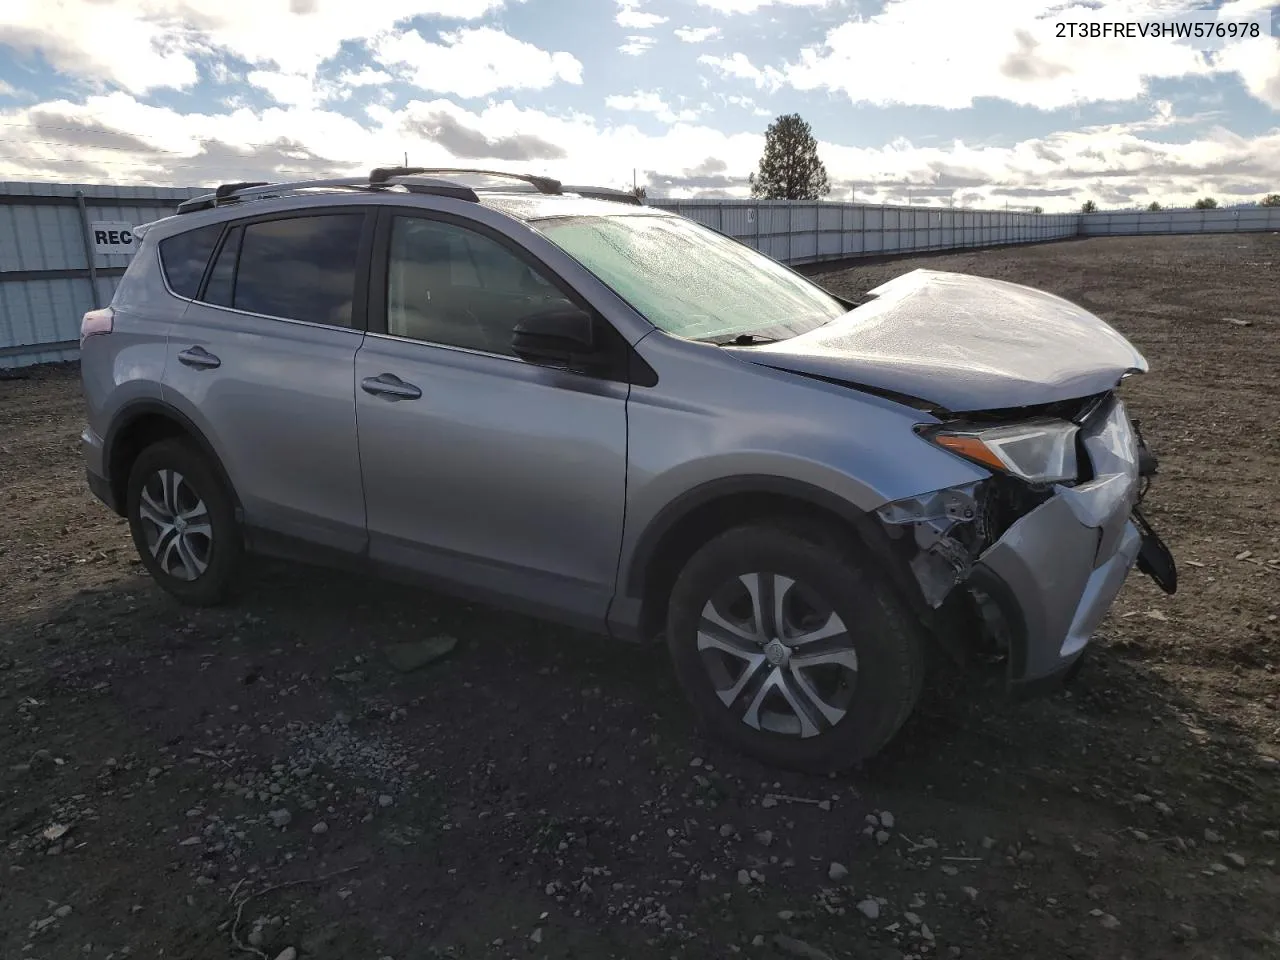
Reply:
x=117 y=138
x=630 y=16
x=939 y=53
x=1033 y=193
x=637 y=45
x=705 y=179
x=649 y=102
x=7 y=90
x=366 y=77
x=474 y=62
x=47 y=125
x=1029 y=63
x=143 y=45
x=952 y=178
x=1257 y=62
x=93 y=150
x=133 y=58
x=281 y=159
x=467 y=143
x=751 y=6
x=746 y=103
x=292 y=89
x=697 y=34
x=306 y=91
x=739 y=67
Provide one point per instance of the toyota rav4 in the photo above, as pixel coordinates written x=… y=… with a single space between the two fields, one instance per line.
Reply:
x=607 y=415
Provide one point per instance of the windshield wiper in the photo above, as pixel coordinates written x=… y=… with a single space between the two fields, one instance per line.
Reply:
x=739 y=340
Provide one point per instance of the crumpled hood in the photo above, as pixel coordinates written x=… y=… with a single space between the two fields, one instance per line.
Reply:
x=965 y=343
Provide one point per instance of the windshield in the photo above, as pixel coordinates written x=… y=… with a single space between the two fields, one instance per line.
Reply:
x=690 y=281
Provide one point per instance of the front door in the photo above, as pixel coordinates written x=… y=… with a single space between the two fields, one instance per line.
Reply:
x=498 y=475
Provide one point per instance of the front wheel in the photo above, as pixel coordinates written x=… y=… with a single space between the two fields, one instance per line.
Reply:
x=789 y=649
x=183 y=522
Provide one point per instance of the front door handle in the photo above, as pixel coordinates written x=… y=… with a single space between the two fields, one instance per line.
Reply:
x=390 y=387
x=199 y=357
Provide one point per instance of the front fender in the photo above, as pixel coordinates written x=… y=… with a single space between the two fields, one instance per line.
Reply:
x=728 y=484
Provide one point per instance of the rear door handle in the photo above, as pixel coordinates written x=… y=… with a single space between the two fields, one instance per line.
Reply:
x=390 y=387
x=199 y=357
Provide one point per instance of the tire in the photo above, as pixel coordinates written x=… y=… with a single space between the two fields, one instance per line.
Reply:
x=866 y=697
x=198 y=568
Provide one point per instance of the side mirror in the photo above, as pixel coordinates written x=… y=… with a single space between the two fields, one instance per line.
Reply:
x=561 y=337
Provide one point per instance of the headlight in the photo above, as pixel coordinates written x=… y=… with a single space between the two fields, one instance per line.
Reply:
x=1038 y=451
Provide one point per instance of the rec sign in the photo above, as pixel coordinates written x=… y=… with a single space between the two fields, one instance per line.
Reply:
x=112 y=236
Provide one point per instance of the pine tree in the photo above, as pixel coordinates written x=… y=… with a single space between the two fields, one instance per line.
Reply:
x=790 y=168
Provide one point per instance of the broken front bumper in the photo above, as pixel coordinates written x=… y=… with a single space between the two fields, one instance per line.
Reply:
x=1046 y=582
x=1053 y=575
x=1051 y=588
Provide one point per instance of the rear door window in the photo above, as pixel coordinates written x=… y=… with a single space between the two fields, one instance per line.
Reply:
x=298 y=268
x=184 y=257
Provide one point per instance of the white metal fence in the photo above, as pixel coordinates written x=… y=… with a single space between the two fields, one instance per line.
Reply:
x=798 y=232
x=51 y=272
x=1106 y=223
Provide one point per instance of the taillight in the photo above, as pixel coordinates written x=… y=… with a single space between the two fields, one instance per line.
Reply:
x=95 y=322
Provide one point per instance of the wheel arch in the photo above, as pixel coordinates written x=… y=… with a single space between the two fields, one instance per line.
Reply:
x=705 y=511
x=140 y=424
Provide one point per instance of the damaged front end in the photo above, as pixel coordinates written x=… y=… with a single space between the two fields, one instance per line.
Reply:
x=1037 y=551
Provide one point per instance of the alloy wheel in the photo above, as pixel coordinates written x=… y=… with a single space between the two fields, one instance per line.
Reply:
x=779 y=656
x=176 y=525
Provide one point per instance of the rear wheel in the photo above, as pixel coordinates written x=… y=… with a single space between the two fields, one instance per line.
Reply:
x=788 y=648
x=183 y=522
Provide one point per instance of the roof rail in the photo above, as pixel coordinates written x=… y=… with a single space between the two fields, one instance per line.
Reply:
x=541 y=184
x=202 y=202
x=606 y=193
x=441 y=188
x=225 y=190
x=378 y=179
x=234 y=192
x=379 y=175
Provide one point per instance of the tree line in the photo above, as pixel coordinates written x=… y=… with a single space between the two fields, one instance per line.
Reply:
x=1204 y=203
x=790 y=169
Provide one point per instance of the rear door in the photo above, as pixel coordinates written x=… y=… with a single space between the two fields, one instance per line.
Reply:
x=263 y=361
x=479 y=468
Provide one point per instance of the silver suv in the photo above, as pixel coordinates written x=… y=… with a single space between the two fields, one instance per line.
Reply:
x=610 y=416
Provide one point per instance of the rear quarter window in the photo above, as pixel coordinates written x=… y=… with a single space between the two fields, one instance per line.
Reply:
x=135 y=275
x=184 y=256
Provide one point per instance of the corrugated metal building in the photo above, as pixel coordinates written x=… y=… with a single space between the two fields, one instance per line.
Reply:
x=46 y=255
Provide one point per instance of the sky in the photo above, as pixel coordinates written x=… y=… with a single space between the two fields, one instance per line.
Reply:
x=976 y=103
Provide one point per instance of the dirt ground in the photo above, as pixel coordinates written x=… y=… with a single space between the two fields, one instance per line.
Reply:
x=174 y=783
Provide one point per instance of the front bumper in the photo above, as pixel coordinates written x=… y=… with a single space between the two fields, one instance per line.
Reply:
x=1049 y=588
x=1053 y=575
